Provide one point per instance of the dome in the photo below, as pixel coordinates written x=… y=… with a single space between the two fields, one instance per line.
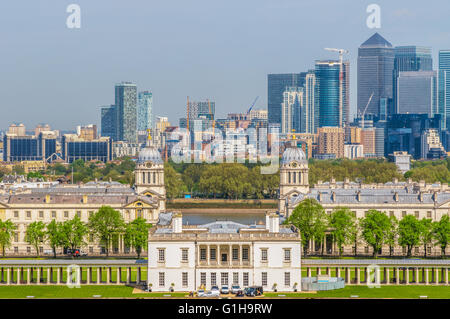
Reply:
x=149 y=154
x=293 y=154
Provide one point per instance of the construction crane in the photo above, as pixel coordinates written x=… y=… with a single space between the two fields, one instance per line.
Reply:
x=364 y=112
x=253 y=104
x=341 y=79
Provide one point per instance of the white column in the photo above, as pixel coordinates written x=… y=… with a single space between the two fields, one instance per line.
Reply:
x=407 y=275
x=426 y=277
x=416 y=273
x=49 y=278
x=38 y=277
x=99 y=276
x=108 y=275
x=58 y=275
x=347 y=270
x=446 y=275
x=138 y=275
x=8 y=276
x=19 y=273
x=88 y=275
x=436 y=276
x=28 y=276
x=128 y=276
x=397 y=275
x=358 y=276
x=387 y=275
x=118 y=272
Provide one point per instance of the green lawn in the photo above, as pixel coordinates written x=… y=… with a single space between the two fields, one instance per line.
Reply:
x=104 y=291
x=441 y=292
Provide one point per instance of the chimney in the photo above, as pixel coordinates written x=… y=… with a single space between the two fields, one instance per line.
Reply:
x=358 y=196
x=85 y=199
x=177 y=223
x=333 y=196
x=47 y=199
x=273 y=222
x=421 y=197
x=319 y=196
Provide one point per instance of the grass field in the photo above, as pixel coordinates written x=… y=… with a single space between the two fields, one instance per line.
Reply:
x=440 y=292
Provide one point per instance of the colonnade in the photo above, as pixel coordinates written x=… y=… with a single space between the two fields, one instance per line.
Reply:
x=69 y=275
x=384 y=275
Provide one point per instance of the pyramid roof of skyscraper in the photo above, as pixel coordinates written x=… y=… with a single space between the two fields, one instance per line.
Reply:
x=376 y=40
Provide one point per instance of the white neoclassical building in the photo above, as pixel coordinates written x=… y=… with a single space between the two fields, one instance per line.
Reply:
x=395 y=198
x=63 y=202
x=187 y=257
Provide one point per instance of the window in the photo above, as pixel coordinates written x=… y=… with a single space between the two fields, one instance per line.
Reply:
x=235 y=253
x=16 y=214
x=184 y=279
x=28 y=250
x=184 y=255
x=79 y=214
x=41 y=250
x=391 y=213
x=224 y=257
x=203 y=278
x=139 y=213
x=403 y=213
x=264 y=279
x=245 y=254
x=202 y=253
x=287 y=255
x=41 y=214
x=161 y=255
x=212 y=254
x=16 y=250
x=429 y=250
x=213 y=279
x=91 y=250
x=224 y=278
x=403 y=250
x=28 y=214
x=264 y=254
x=245 y=279
x=287 y=279
x=235 y=278
x=366 y=249
x=416 y=250
x=416 y=213
x=161 y=279
x=66 y=214
x=16 y=237
x=53 y=214
x=428 y=214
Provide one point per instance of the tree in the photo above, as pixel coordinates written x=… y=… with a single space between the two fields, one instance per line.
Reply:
x=106 y=223
x=35 y=235
x=342 y=223
x=136 y=234
x=55 y=235
x=375 y=227
x=73 y=233
x=310 y=218
x=441 y=232
x=174 y=184
x=409 y=232
x=392 y=234
x=7 y=229
x=426 y=233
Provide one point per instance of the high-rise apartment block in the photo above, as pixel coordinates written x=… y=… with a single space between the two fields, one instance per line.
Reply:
x=444 y=86
x=331 y=141
x=126 y=111
x=145 y=116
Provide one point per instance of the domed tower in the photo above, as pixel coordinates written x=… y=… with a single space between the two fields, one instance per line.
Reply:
x=149 y=174
x=293 y=176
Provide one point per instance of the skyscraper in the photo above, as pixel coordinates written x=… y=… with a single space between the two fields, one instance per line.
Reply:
x=276 y=85
x=410 y=59
x=144 y=116
x=126 y=112
x=417 y=92
x=312 y=113
x=375 y=71
x=292 y=110
x=327 y=93
x=109 y=122
x=444 y=86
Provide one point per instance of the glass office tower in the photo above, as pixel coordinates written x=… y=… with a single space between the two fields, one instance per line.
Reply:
x=444 y=85
x=108 y=121
x=375 y=72
x=410 y=59
x=126 y=112
x=276 y=85
x=327 y=93
x=145 y=105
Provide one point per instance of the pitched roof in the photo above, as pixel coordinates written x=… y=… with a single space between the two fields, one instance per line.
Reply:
x=376 y=40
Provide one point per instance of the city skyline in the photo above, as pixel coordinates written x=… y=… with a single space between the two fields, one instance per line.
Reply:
x=75 y=66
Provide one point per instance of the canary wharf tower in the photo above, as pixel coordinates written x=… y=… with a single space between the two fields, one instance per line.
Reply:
x=375 y=67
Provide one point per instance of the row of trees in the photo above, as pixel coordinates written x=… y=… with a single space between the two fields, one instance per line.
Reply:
x=376 y=228
x=104 y=225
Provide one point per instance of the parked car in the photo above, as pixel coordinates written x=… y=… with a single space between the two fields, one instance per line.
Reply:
x=235 y=289
x=214 y=288
x=225 y=290
x=201 y=293
x=212 y=293
x=239 y=293
x=253 y=291
x=79 y=253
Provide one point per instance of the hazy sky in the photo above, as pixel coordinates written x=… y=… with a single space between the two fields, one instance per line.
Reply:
x=221 y=50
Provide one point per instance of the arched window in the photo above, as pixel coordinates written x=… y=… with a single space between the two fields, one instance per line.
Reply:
x=289 y=177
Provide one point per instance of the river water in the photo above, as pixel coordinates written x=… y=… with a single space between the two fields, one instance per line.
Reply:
x=193 y=218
